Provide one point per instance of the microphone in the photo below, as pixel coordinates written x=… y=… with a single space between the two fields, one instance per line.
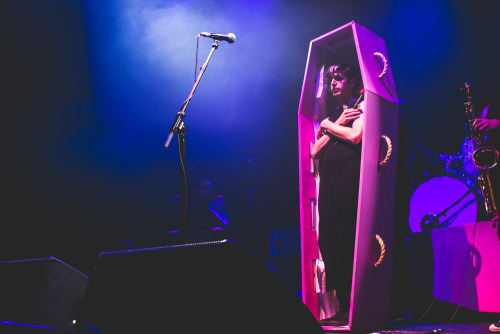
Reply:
x=230 y=38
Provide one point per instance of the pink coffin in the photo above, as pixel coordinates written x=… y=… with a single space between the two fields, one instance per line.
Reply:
x=357 y=46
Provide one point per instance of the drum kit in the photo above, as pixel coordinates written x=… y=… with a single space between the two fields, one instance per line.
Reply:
x=448 y=197
x=463 y=190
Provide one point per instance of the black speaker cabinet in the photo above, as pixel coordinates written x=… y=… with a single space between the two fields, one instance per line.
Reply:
x=192 y=288
x=40 y=292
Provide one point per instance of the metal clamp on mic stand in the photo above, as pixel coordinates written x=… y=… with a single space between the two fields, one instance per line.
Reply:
x=179 y=127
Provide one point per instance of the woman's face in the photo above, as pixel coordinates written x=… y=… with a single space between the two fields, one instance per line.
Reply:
x=341 y=87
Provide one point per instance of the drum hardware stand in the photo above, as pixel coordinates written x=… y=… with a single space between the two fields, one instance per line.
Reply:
x=179 y=127
x=447 y=222
x=430 y=220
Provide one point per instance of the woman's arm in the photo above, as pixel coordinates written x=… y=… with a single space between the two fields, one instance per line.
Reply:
x=347 y=116
x=319 y=144
x=352 y=134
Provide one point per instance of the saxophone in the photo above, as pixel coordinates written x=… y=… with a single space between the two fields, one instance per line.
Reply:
x=484 y=157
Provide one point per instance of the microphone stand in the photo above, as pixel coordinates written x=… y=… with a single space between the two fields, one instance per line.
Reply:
x=179 y=127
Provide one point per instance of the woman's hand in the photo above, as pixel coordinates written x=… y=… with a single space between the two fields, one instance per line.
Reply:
x=321 y=133
x=323 y=127
x=352 y=134
x=348 y=115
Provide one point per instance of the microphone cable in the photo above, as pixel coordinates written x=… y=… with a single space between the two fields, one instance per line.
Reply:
x=196 y=61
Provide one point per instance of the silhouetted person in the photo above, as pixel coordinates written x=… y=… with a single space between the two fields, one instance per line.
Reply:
x=206 y=215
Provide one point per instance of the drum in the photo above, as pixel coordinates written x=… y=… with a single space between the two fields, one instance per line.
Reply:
x=469 y=168
x=452 y=163
x=441 y=201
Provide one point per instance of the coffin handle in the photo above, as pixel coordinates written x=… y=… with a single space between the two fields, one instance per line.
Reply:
x=384 y=60
x=382 y=250
x=389 y=150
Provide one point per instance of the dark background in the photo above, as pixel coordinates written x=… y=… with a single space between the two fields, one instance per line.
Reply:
x=90 y=89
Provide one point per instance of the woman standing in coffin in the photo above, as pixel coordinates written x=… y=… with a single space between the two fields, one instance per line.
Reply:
x=338 y=148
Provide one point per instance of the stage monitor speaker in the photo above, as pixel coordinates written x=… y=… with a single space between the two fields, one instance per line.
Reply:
x=40 y=292
x=204 y=287
x=12 y=328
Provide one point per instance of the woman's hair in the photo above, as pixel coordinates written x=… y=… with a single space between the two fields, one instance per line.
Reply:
x=348 y=71
x=329 y=102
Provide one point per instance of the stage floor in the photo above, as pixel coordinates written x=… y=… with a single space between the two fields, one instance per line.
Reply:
x=479 y=328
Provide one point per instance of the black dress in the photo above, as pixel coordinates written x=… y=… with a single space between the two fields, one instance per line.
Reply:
x=339 y=167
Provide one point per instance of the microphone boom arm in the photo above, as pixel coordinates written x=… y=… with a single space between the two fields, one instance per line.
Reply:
x=178 y=121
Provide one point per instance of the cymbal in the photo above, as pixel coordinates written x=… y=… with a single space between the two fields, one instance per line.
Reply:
x=432 y=157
